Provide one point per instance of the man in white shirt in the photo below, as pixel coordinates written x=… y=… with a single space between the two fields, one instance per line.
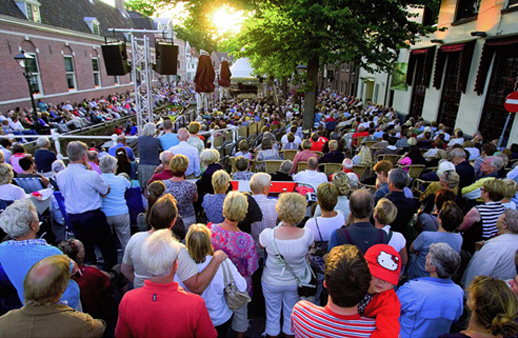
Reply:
x=260 y=186
x=191 y=152
x=311 y=175
x=293 y=130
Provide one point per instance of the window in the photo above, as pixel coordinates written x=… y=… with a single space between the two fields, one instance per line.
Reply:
x=33 y=12
x=93 y=24
x=116 y=80
x=376 y=92
x=97 y=72
x=95 y=29
x=512 y=3
x=70 y=72
x=467 y=9
x=36 y=87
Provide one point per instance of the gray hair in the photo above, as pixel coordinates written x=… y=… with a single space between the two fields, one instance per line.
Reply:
x=209 y=156
x=42 y=141
x=286 y=166
x=17 y=218
x=511 y=220
x=76 y=150
x=159 y=253
x=458 y=152
x=107 y=164
x=6 y=173
x=496 y=162
x=399 y=177
x=165 y=157
x=149 y=129
x=260 y=181
x=57 y=166
x=445 y=259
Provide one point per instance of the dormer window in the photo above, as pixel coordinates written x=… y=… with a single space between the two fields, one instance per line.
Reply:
x=31 y=9
x=93 y=24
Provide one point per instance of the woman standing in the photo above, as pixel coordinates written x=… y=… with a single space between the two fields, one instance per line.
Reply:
x=240 y=248
x=279 y=285
x=209 y=162
x=149 y=151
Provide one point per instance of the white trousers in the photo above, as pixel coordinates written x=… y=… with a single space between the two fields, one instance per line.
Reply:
x=279 y=298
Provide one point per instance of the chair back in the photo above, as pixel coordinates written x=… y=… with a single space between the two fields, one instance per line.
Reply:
x=272 y=166
x=242 y=132
x=389 y=157
x=29 y=184
x=359 y=170
x=228 y=136
x=134 y=201
x=302 y=165
x=331 y=168
x=370 y=143
x=415 y=170
x=252 y=129
x=319 y=154
x=289 y=154
x=218 y=141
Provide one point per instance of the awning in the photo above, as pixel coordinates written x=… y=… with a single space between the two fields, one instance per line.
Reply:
x=490 y=46
x=428 y=54
x=466 y=54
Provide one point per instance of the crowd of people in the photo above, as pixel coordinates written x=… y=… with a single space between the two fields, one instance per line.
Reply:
x=385 y=251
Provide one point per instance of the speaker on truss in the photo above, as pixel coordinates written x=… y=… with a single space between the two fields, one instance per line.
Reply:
x=166 y=58
x=115 y=59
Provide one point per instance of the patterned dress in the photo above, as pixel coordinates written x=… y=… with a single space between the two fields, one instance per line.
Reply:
x=213 y=206
x=240 y=248
x=184 y=192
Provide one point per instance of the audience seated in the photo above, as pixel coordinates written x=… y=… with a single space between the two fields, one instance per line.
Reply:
x=311 y=175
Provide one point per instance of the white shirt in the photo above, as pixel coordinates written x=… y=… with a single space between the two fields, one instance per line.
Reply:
x=326 y=226
x=192 y=155
x=11 y=192
x=284 y=139
x=312 y=177
x=397 y=241
x=269 y=220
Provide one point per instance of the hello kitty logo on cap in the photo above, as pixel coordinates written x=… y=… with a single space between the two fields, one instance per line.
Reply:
x=388 y=261
x=384 y=262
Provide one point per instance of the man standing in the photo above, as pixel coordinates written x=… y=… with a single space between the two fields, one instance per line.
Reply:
x=161 y=308
x=347 y=279
x=121 y=142
x=83 y=190
x=260 y=186
x=192 y=154
x=168 y=139
x=429 y=305
x=311 y=175
x=361 y=232
x=397 y=180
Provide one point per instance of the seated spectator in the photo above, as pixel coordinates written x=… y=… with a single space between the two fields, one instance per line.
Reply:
x=291 y=144
x=341 y=182
x=303 y=155
x=462 y=167
x=114 y=203
x=347 y=279
x=43 y=314
x=240 y=248
x=20 y=221
x=242 y=164
x=5 y=146
x=213 y=203
x=474 y=152
x=449 y=219
x=43 y=156
x=284 y=172
x=96 y=291
x=292 y=243
x=481 y=219
x=296 y=139
x=163 y=171
x=449 y=180
x=267 y=153
x=385 y=213
x=488 y=150
x=360 y=231
x=317 y=142
x=511 y=187
x=429 y=305
x=496 y=257
x=194 y=140
x=493 y=309
x=397 y=180
x=414 y=155
x=427 y=217
x=382 y=169
x=333 y=156
x=444 y=165
x=29 y=170
x=458 y=139
x=183 y=191
x=311 y=175
x=18 y=151
x=201 y=250
x=93 y=160
x=162 y=216
x=390 y=149
x=243 y=150
x=139 y=310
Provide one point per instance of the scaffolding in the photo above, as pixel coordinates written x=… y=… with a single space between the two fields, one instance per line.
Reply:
x=141 y=72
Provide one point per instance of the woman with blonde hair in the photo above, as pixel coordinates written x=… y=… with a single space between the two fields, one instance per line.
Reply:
x=509 y=192
x=292 y=243
x=493 y=309
x=198 y=242
x=239 y=246
x=213 y=203
x=8 y=191
x=341 y=182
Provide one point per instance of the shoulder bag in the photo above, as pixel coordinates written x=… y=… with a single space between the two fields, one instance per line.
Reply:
x=233 y=296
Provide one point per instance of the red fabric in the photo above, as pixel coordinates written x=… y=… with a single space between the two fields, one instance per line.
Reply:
x=161 y=176
x=301 y=156
x=358 y=134
x=96 y=291
x=452 y=48
x=385 y=308
x=319 y=144
x=205 y=75
x=163 y=310
x=225 y=74
x=420 y=51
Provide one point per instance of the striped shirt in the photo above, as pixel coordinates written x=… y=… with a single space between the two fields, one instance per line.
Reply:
x=489 y=214
x=312 y=321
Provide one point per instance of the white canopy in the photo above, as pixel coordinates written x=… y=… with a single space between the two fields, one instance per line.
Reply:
x=242 y=69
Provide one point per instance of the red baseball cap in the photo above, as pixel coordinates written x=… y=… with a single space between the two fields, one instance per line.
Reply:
x=384 y=262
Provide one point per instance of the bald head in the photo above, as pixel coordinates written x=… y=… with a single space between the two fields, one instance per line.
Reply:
x=333 y=145
x=183 y=134
x=165 y=157
x=47 y=280
x=313 y=163
x=361 y=204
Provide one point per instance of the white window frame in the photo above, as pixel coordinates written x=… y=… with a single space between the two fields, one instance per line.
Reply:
x=68 y=72
x=97 y=73
x=93 y=24
x=37 y=75
x=34 y=6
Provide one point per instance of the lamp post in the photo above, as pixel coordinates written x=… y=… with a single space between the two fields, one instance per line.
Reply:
x=26 y=61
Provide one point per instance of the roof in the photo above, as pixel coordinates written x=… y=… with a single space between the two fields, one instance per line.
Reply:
x=142 y=21
x=70 y=14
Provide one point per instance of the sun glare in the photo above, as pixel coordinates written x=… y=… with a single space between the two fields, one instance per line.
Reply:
x=228 y=20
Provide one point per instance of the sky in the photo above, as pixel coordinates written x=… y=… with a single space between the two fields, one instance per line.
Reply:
x=111 y=2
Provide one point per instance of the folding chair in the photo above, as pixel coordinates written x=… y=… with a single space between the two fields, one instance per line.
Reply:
x=359 y=170
x=331 y=168
x=302 y=165
x=272 y=166
x=29 y=184
x=289 y=154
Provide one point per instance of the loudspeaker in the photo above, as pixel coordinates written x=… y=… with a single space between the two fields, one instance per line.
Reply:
x=166 y=58
x=115 y=59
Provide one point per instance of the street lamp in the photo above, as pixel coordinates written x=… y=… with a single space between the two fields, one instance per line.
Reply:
x=26 y=61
